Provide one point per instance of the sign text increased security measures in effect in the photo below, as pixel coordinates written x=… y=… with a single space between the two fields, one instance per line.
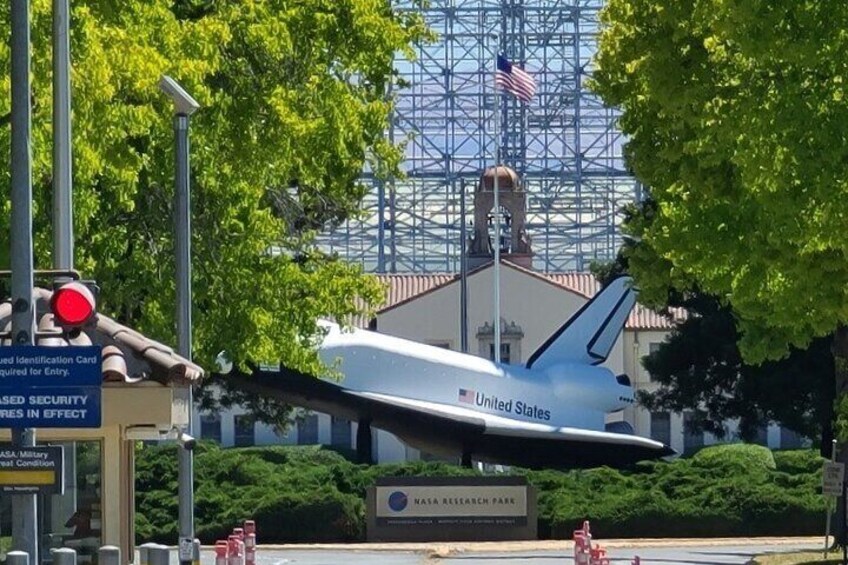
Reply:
x=50 y=387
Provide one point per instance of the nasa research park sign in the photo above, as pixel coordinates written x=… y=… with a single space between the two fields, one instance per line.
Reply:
x=451 y=509
x=50 y=387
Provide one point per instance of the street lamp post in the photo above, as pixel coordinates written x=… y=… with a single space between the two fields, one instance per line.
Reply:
x=184 y=106
x=24 y=506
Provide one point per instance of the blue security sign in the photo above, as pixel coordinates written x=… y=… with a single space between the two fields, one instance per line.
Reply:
x=50 y=387
x=37 y=365
x=50 y=407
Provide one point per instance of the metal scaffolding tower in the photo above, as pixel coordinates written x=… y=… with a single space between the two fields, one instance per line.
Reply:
x=564 y=144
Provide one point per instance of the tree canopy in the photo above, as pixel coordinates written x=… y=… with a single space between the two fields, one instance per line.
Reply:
x=293 y=107
x=736 y=119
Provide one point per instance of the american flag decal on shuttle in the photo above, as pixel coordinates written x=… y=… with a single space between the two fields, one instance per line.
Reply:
x=466 y=395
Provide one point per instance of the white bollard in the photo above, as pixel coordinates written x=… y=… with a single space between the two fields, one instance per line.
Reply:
x=64 y=556
x=159 y=555
x=109 y=555
x=144 y=553
x=17 y=558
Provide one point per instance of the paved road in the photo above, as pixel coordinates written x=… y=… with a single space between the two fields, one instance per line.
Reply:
x=688 y=555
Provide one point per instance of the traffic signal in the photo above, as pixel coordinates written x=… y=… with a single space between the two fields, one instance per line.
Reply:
x=73 y=305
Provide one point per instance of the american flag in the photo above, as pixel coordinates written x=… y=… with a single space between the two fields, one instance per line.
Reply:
x=466 y=396
x=517 y=82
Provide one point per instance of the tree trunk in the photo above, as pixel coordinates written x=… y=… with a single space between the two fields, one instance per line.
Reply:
x=840 y=371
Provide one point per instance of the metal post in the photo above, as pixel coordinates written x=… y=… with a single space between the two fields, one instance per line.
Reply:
x=392 y=227
x=497 y=215
x=381 y=226
x=182 y=226
x=63 y=217
x=463 y=273
x=829 y=510
x=184 y=106
x=24 y=509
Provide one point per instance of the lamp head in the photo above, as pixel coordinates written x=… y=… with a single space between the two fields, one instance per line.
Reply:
x=186 y=441
x=183 y=102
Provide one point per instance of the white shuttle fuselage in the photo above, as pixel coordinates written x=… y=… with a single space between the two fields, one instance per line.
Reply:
x=549 y=412
x=566 y=394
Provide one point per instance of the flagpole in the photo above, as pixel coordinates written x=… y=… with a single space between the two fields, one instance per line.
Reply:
x=497 y=217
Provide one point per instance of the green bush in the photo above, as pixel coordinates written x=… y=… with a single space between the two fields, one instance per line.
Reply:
x=317 y=516
x=799 y=461
x=311 y=494
x=736 y=455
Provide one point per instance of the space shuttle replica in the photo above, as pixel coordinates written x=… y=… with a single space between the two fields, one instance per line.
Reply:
x=550 y=412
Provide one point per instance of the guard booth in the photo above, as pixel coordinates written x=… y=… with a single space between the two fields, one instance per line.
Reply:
x=142 y=396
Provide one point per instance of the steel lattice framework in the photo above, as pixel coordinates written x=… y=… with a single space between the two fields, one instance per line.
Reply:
x=564 y=144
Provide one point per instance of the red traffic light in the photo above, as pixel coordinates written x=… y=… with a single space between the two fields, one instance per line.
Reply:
x=72 y=304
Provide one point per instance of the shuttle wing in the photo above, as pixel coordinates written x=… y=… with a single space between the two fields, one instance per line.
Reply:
x=446 y=429
x=579 y=444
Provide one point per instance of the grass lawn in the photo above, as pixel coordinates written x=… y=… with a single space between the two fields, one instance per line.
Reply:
x=808 y=557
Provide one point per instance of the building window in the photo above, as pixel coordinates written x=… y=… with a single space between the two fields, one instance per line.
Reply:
x=210 y=427
x=244 y=434
x=441 y=344
x=307 y=430
x=506 y=350
x=434 y=458
x=511 y=336
x=340 y=435
x=762 y=435
x=653 y=347
x=661 y=427
x=789 y=439
x=692 y=439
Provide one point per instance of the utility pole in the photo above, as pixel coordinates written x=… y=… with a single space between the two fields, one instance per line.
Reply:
x=24 y=508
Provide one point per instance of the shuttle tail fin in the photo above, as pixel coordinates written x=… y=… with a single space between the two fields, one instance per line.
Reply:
x=588 y=336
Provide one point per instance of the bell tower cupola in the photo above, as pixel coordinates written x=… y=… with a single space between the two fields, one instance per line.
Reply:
x=512 y=200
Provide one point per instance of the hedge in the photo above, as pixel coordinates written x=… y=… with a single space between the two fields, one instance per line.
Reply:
x=312 y=494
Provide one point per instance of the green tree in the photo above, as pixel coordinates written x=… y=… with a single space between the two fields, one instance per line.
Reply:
x=294 y=107
x=736 y=117
x=736 y=120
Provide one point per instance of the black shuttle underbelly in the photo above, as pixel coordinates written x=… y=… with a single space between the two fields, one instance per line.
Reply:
x=438 y=432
